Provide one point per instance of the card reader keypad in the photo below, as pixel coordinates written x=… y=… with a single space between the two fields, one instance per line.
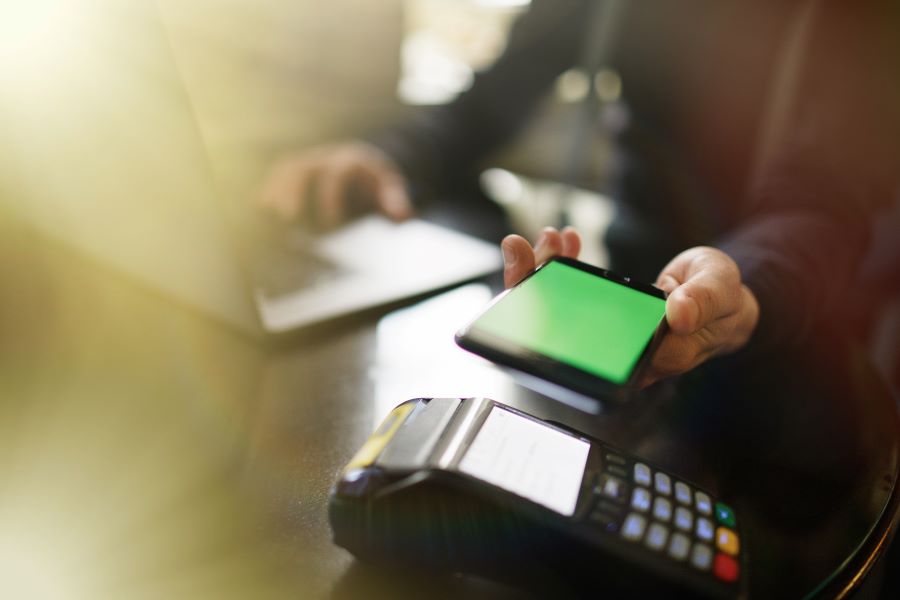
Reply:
x=666 y=516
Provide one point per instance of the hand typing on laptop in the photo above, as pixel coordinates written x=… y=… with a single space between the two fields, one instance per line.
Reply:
x=709 y=310
x=318 y=186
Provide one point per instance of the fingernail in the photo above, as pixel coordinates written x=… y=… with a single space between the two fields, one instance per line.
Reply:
x=541 y=241
x=395 y=200
x=509 y=256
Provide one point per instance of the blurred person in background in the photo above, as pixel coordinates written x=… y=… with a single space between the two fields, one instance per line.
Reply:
x=755 y=143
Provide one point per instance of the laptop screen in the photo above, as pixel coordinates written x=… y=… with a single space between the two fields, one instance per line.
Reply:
x=102 y=151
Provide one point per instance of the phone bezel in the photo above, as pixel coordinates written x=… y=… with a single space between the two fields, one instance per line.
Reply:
x=520 y=358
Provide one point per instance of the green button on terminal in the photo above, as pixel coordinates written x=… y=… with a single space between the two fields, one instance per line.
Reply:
x=724 y=515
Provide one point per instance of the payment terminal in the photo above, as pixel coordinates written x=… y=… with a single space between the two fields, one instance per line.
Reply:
x=471 y=485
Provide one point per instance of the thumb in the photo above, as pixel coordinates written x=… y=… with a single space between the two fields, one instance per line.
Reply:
x=701 y=283
x=683 y=311
x=707 y=295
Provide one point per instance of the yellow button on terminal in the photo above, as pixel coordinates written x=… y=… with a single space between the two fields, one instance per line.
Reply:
x=727 y=541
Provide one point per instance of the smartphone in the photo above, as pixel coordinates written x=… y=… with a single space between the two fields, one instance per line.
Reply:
x=575 y=325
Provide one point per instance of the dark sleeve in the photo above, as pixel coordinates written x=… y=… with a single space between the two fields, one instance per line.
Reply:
x=833 y=162
x=437 y=144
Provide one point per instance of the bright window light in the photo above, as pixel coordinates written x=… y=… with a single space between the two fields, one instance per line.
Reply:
x=446 y=41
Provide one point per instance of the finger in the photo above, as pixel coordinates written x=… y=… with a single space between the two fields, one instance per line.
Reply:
x=518 y=259
x=667 y=282
x=286 y=188
x=333 y=183
x=272 y=188
x=680 y=353
x=701 y=300
x=549 y=244
x=675 y=355
x=682 y=312
x=290 y=192
x=269 y=185
x=703 y=285
x=391 y=196
x=571 y=242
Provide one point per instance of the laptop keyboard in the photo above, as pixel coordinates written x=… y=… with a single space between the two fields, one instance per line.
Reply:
x=280 y=270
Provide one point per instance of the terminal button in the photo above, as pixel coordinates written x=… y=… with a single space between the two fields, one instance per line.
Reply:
x=607 y=521
x=640 y=499
x=704 y=504
x=704 y=529
x=727 y=541
x=679 y=546
x=662 y=509
x=617 y=471
x=683 y=519
x=663 y=483
x=609 y=507
x=642 y=474
x=701 y=557
x=725 y=515
x=683 y=493
x=726 y=568
x=617 y=459
x=612 y=487
x=633 y=527
x=657 y=536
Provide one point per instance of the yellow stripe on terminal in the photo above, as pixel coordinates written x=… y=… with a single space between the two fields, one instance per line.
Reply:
x=378 y=440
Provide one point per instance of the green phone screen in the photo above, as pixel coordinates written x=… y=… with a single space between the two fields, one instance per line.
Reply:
x=578 y=318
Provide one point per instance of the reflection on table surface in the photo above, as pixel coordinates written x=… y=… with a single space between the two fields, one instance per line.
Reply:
x=149 y=452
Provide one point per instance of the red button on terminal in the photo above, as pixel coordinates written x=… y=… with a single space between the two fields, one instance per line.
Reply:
x=726 y=568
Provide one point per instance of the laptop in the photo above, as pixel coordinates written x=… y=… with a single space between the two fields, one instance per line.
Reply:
x=102 y=150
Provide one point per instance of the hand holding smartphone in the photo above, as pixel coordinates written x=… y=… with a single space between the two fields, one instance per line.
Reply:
x=572 y=324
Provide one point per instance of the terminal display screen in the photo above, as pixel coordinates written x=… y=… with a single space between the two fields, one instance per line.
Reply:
x=528 y=458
